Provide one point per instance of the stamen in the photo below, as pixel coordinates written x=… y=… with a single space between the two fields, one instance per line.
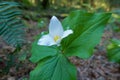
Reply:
x=56 y=38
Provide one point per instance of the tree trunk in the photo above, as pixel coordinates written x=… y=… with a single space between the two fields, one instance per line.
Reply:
x=45 y=4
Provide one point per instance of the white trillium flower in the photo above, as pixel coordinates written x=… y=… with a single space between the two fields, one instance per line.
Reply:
x=56 y=33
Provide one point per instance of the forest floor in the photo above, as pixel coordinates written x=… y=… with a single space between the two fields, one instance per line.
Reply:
x=95 y=68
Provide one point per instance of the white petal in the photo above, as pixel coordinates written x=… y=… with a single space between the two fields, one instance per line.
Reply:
x=46 y=40
x=66 y=33
x=55 y=27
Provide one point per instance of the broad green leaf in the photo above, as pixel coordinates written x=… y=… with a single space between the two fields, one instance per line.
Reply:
x=88 y=29
x=113 y=51
x=40 y=52
x=54 y=68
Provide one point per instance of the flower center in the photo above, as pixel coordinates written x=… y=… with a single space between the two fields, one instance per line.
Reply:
x=56 y=38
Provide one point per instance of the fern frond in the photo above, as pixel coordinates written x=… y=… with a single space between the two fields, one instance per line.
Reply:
x=11 y=25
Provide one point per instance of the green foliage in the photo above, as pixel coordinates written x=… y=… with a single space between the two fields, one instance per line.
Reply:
x=11 y=31
x=39 y=50
x=113 y=50
x=41 y=23
x=52 y=60
x=115 y=21
x=52 y=64
x=88 y=28
x=26 y=3
x=11 y=26
x=54 y=68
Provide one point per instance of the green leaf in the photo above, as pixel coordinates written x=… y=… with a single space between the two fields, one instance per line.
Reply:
x=40 y=52
x=54 y=68
x=11 y=25
x=114 y=54
x=115 y=42
x=87 y=28
x=113 y=51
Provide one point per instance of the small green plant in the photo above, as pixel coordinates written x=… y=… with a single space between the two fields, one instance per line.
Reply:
x=80 y=33
x=115 y=22
x=41 y=23
x=113 y=50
